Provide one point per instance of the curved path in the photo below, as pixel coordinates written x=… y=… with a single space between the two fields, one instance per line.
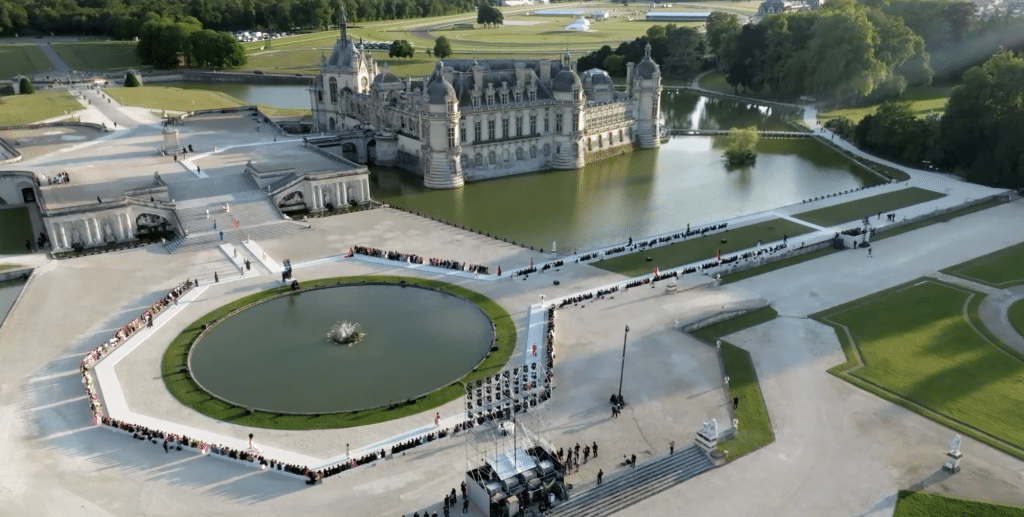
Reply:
x=993 y=309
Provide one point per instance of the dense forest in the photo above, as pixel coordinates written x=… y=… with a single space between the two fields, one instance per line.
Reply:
x=122 y=19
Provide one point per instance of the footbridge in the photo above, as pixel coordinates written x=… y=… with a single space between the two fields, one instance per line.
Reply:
x=725 y=132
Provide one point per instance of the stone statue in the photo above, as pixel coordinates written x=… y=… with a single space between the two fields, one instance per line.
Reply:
x=108 y=232
x=709 y=429
x=954 y=445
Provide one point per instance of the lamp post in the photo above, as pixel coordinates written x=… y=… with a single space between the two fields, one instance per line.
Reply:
x=622 y=370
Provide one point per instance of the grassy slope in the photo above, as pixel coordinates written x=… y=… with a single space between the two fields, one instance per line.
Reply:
x=15 y=227
x=188 y=392
x=696 y=249
x=172 y=99
x=925 y=100
x=920 y=504
x=870 y=206
x=22 y=59
x=1016 y=315
x=25 y=109
x=755 y=427
x=918 y=350
x=99 y=57
x=1003 y=268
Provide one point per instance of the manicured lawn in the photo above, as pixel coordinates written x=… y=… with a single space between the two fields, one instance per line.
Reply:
x=99 y=56
x=755 y=428
x=15 y=227
x=172 y=99
x=1016 y=315
x=9 y=266
x=25 y=109
x=912 y=345
x=1003 y=268
x=22 y=59
x=853 y=211
x=182 y=386
x=925 y=100
x=715 y=82
x=943 y=218
x=920 y=504
x=767 y=268
x=698 y=249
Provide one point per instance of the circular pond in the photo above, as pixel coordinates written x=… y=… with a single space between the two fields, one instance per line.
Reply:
x=276 y=356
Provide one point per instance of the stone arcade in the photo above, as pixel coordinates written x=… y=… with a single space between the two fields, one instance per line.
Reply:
x=481 y=119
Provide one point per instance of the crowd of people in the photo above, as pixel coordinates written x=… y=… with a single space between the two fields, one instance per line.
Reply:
x=416 y=259
x=59 y=179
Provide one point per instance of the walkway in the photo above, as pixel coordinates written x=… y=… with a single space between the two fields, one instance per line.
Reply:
x=58 y=63
x=993 y=309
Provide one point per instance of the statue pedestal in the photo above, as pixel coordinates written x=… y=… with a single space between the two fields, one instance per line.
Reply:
x=952 y=464
x=706 y=443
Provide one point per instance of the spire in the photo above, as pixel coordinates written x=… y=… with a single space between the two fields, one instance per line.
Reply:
x=343 y=22
x=647 y=51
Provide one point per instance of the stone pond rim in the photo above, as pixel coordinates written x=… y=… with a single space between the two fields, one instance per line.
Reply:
x=486 y=358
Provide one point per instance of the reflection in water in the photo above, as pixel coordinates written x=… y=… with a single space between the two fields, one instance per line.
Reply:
x=9 y=292
x=279 y=95
x=641 y=193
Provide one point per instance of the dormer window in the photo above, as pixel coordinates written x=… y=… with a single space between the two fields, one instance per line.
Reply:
x=533 y=94
x=504 y=97
x=490 y=98
x=519 y=96
x=476 y=100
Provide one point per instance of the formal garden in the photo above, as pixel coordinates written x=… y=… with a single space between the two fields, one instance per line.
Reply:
x=853 y=211
x=922 y=345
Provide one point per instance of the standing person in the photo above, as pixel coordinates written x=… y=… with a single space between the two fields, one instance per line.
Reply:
x=600 y=475
x=672 y=447
x=869 y=251
x=463 y=489
x=437 y=419
x=465 y=505
x=455 y=498
x=632 y=461
x=595 y=449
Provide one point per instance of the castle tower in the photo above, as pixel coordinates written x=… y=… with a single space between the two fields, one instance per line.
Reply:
x=441 y=151
x=646 y=88
x=567 y=90
x=348 y=70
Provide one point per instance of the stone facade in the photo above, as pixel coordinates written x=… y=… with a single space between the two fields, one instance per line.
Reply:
x=481 y=119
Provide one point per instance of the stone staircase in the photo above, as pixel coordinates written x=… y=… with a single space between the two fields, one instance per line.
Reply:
x=258 y=217
x=210 y=240
x=632 y=485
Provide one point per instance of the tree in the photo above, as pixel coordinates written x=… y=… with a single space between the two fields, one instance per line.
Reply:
x=720 y=26
x=25 y=86
x=401 y=48
x=487 y=14
x=894 y=131
x=961 y=19
x=163 y=42
x=614 y=65
x=844 y=44
x=685 y=50
x=442 y=48
x=130 y=81
x=976 y=130
x=746 y=52
x=742 y=145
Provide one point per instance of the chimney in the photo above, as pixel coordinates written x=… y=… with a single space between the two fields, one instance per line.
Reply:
x=545 y=71
x=629 y=79
x=520 y=74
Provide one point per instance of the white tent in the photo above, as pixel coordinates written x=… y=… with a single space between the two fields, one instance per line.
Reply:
x=581 y=24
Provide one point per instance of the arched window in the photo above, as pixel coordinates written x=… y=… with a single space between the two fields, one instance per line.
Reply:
x=479 y=159
x=506 y=156
x=465 y=161
x=331 y=123
x=533 y=151
x=334 y=90
x=492 y=158
x=620 y=136
x=600 y=141
x=319 y=95
x=519 y=153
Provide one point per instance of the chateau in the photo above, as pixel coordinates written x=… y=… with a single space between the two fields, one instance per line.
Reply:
x=481 y=119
